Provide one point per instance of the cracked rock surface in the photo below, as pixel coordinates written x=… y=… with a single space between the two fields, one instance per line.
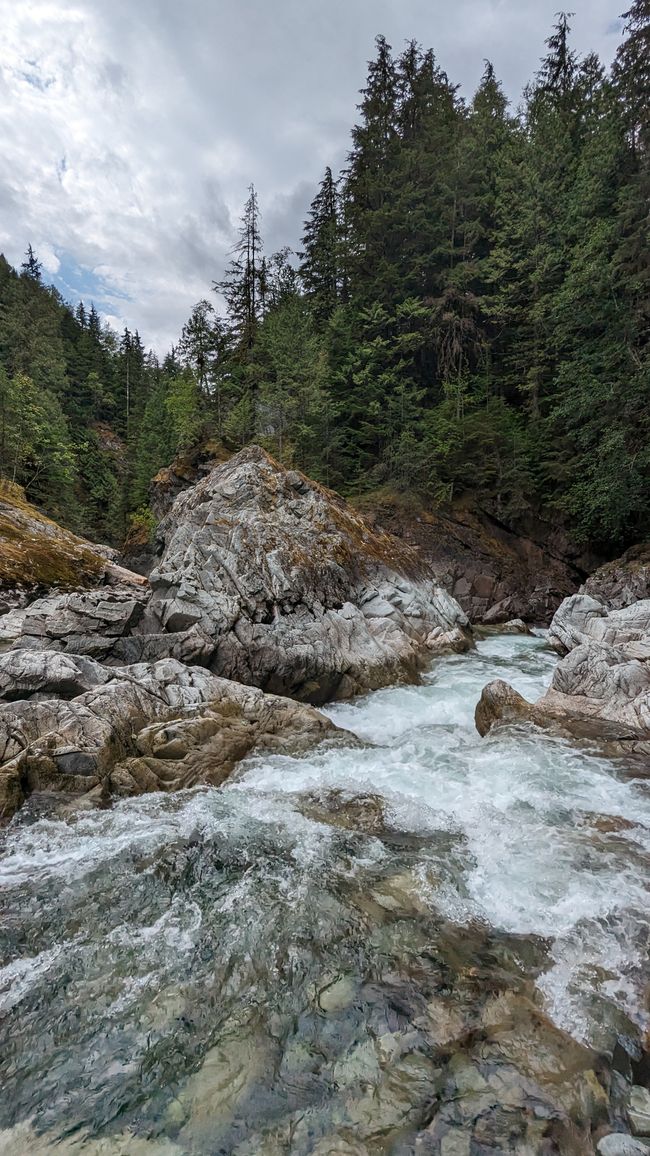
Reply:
x=298 y=594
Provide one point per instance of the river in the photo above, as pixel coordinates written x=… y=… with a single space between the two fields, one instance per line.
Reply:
x=296 y=962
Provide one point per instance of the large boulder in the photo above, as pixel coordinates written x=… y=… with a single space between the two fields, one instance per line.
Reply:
x=80 y=727
x=296 y=591
x=601 y=688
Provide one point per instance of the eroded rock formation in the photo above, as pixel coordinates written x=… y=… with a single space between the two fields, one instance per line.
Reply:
x=496 y=572
x=71 y=725
x=622 y=582
x=265 y=579
x=299 y=595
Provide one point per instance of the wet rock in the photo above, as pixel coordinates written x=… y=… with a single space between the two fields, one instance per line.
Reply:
x=299 y=595
x=606 y=824
x=338 y=994
x=400 y=894
x=206 y=744
x=225 y=1078
x=515 y=626
x=599 y=693
x=620 y=1144
x=456 y=1143
x=389 y=1085
x=364 y=813
x=335 y=1146
x=500 y=703
x=106 y=735
x=515 y=1084
x=442 y=642
x=639 y=1111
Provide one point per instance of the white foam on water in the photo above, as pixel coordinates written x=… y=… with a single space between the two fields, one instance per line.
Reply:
x=517 y=804
x=521 y=801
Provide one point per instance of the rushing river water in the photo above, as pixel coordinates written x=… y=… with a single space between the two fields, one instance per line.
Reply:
x=274 y=967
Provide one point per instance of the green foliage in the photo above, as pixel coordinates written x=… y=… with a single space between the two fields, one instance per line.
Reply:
x=184 y=409
x=35 y=448
x=470 y=313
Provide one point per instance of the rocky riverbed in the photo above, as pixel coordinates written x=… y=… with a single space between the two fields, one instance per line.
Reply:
x=418 y=941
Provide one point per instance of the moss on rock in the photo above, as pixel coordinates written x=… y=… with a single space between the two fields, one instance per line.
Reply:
x=36 y=553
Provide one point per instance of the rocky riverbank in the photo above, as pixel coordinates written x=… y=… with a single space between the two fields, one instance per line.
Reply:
x=263 y=578
x=411 y=942
x=601 y=687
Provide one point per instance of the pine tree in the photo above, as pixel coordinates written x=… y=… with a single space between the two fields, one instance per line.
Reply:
x=631 y=76
x=241 y=285
x=368 y=194
x=199 y=342
x=320 y=259
x=31 y=266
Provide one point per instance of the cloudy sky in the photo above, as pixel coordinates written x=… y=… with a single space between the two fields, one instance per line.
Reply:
x=131 y=129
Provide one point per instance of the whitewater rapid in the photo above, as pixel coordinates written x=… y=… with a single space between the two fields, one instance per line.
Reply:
x=136 y=939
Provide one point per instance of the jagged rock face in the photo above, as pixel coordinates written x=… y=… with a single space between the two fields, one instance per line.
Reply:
x=496 y=572
x=299 y=595
x=110 y=624
x=83 y=728
x=600 y=689
x=622 y=582
x=582 y=619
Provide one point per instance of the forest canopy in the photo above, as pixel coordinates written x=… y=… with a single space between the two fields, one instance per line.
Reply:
x=469 y=313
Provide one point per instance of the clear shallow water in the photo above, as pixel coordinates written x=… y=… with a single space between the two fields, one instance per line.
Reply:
x=207 y=969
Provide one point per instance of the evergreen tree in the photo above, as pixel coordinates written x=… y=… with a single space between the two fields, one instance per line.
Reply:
x=320 y=258
x=31 y=266
x=631 y=76
x=368 y=196
x=241 y=287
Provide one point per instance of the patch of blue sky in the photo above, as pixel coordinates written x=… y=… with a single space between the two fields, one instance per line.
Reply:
x=78 y=283
x=33 y=75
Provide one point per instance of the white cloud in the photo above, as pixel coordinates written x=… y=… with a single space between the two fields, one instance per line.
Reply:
x=131 y=131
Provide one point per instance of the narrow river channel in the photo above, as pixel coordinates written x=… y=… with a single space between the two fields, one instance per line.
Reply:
x=301 y=961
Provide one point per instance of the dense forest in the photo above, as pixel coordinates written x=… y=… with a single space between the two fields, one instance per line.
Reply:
x=470 y=313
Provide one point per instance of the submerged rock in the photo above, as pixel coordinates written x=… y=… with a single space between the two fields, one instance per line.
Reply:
x=639 y=1111
x=298 y=594
x=620 y=1144
x=366 y=813
x=515 y=626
